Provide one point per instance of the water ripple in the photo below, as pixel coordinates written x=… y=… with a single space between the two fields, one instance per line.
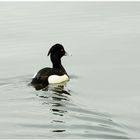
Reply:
x=56 y=116
x=75 y=119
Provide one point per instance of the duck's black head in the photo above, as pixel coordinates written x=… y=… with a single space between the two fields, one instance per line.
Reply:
x=56 y=52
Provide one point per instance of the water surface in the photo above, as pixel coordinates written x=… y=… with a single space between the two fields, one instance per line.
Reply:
x=102 y=98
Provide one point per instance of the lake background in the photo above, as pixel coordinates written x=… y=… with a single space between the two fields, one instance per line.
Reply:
x=104 y=40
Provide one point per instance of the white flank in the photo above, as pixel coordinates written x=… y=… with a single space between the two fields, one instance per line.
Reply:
x=55 y=79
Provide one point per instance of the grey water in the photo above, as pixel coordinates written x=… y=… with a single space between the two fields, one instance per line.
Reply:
x=101 y=100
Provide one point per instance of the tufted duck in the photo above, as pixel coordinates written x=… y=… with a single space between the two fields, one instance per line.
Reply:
x=55 y=75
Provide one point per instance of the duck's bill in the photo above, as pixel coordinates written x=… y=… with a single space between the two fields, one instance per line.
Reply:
x=68 y=54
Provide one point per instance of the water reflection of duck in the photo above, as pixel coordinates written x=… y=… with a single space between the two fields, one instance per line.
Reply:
x=58 y=98
x=55 y=75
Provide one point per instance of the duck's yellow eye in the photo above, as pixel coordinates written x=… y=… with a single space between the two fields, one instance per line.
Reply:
x=62 y=50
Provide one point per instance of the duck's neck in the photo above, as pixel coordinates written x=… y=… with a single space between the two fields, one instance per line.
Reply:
x=56 y=61
x=57 y=65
